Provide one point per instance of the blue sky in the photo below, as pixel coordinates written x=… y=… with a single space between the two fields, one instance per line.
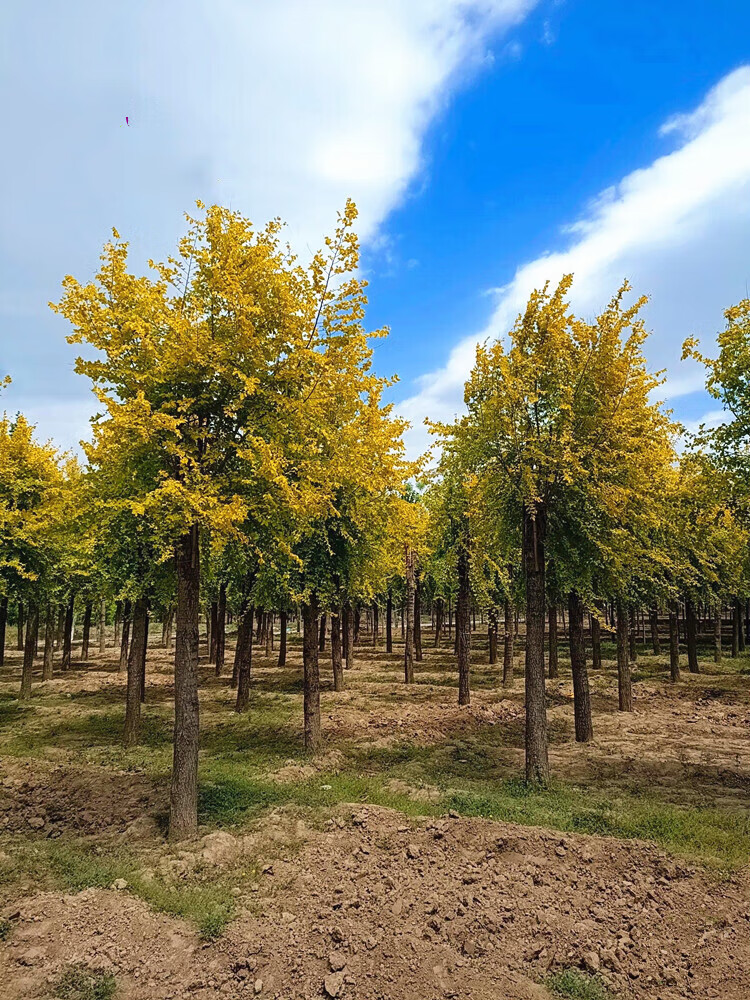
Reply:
x=490 y=145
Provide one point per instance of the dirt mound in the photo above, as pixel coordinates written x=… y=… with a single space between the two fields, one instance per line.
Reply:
x=377 y=908
x=53 y=799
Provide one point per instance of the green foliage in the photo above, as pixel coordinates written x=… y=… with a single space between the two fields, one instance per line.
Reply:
x=572 y=984
x=81 y=982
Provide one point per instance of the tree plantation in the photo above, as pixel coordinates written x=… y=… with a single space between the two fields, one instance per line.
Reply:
x=355 y=723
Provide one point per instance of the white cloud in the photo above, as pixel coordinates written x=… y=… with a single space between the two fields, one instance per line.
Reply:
x=275 y=108
x=678 y=229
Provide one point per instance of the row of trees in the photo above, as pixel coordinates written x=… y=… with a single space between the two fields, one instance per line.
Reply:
x=243 y=462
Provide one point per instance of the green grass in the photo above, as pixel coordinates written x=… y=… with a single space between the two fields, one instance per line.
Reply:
x=5 y=928
x=80 y=982
x=572 y=984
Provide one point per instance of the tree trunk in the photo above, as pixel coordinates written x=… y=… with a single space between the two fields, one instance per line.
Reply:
x=691 y=635
x=144 y=653
x=20 y=646
x=581 y=695
x=86 y=631
x=439 y=612
x=243 y=659
x=740 y=630
x=389 y=622
x=32 y=625
x=345 y=616
x=338 y=666
x=135 y=670
x=553 y=651
x=282 y=638
x=463 y=627
x=596 y=641
x=322 y=637
x=654 y=619
x=68 y=634
x=631 y=636
x=492 y=634
x=357 y=622
x=508 y=637
x=409 y=636
x=127 y=611
x=717 y=634
x=118 y=623
x=183 y=817
x=375 y=623
x=674 y=643
x=417 y=618
x=735 y=631
x=220 y=642
x=623 y=663
x=3 y=626
x=49 y=643
x=349 y=637
x=102 y=627
x=537 y=758
x=269 y=632
x=310 y=641
x=213 y=631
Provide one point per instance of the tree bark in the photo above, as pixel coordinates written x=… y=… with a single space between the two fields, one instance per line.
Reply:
x=183 y=818
x=338 y=666
x=674 y=643
x=691 y=635
x=596 y=642
x=581 y=694
x=127 y=612
x=463 y=627
x=345 y=632
x=717 y=634
x=20 y=646
x=375 y=623
x=654 y=620
x=735 y=631
x=537 y=757
x=49 y=643
x=220 y=629
x=86 y=631
x=68 y=634
x=32 y=624
x=409 y=635
x=135 y=670
x=740 y=630
x=623 y=662
x=349 y=635
x=553 y=651
x=243 y=659
x=322 y=639
x=439 y=613
x=310 y=641
x=492 y=631
x=508 y=640
x=213 y=630
x=144 y=653
x=417 y=617
x=3 y=626
x=389 y=622
x=631 y=636
x=282 y=638
x=102 y=627
x=269 y=632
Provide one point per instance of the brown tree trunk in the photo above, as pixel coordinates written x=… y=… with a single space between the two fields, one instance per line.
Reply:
x=717 y=634
x=220 y=643
x=553 y=651
x=86 y=631
x=537 y=758
x=691 y=636
x=492 y=630
x=623 y=662
x=3 y=626
x=439 y=613
x=357 y=622
x=345 y=616
x=674 y=643
x=213 y=631
x=102 y=627
x=282 y=638
x=243 y=660
x=338 y=666
x=118 y=622
x=32 y=625
x=596 y=641
x=20 y=645
x=409 y=635
x=631 y=636
x=49 y=643
x=310 y=641
x=508 y=639
x=68 y=634
x=135 y=670
x=144 y=653
x=417 y=617
x=581 y=695
x=463 y=627
x=269 y=633
x=740 y=630
x=183 y=816
x=127 y=611
x=375 y=623
x=349 y=638
x=735 y=630
x=654 y=620
x=322 y=638
x=389 y=622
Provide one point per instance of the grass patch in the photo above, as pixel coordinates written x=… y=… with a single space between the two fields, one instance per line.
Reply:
x=5 y=928
x=80 y=982
x=572 y=984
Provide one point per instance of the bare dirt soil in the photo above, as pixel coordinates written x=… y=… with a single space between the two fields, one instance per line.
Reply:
x=362 y=901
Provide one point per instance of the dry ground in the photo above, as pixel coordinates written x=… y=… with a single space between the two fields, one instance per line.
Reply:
x=406 y=860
